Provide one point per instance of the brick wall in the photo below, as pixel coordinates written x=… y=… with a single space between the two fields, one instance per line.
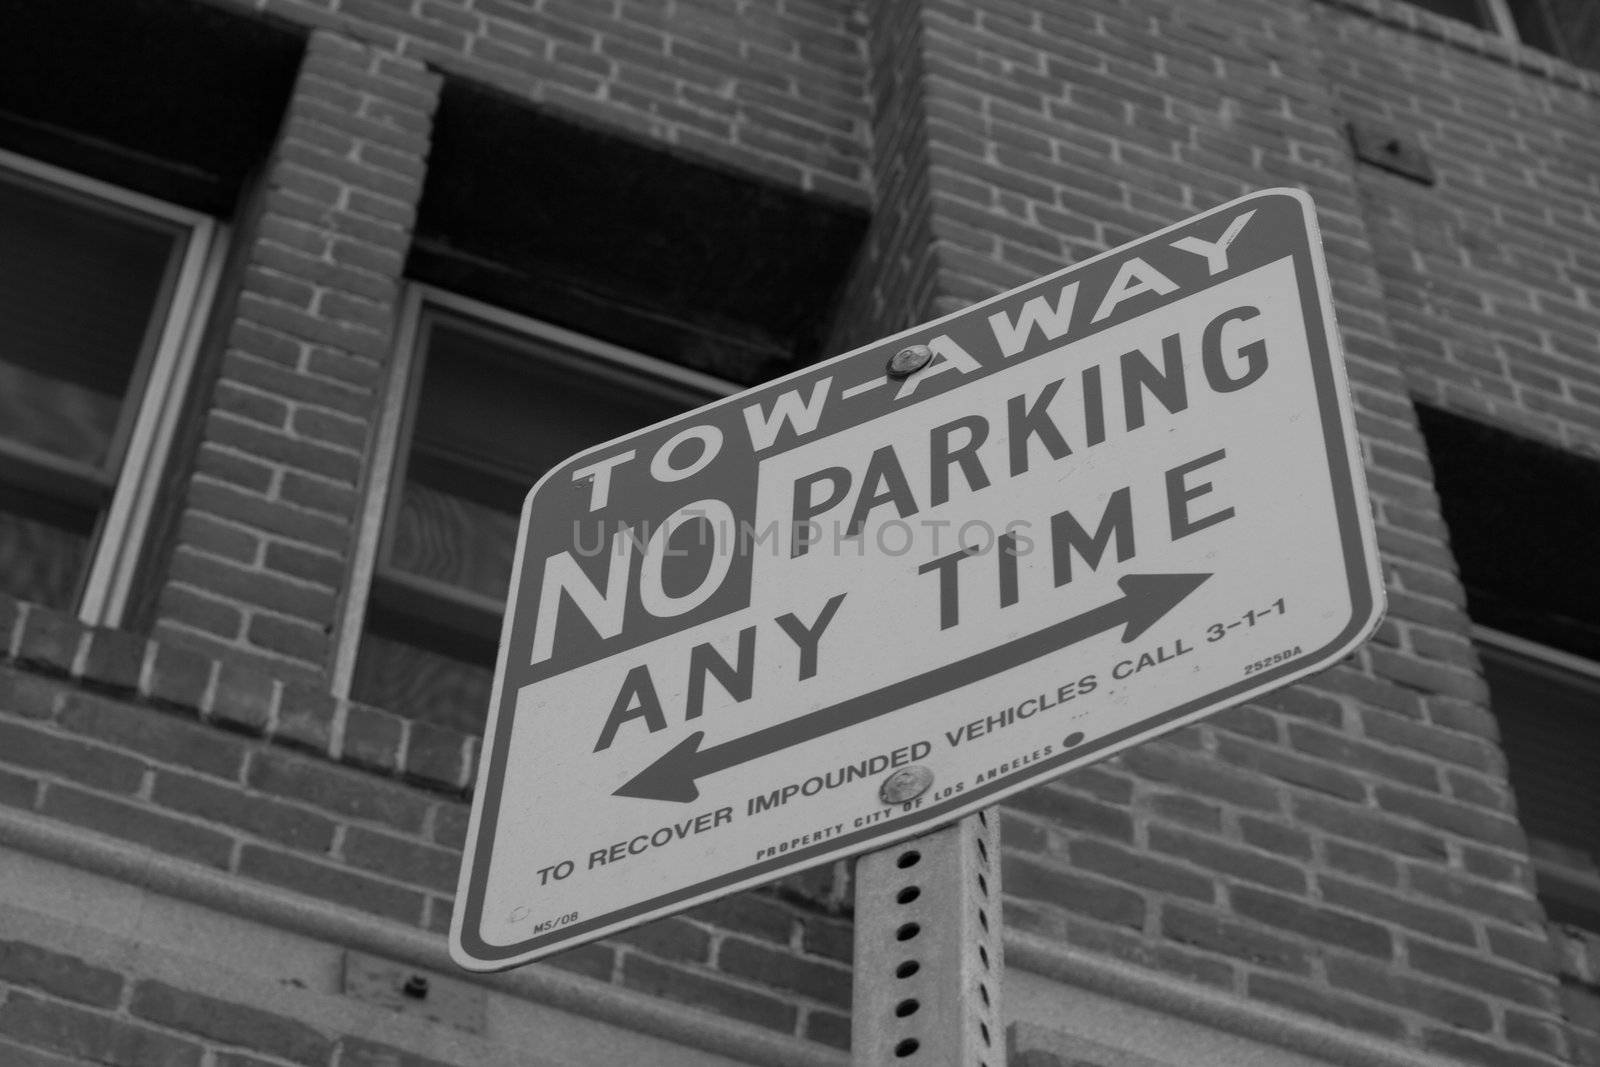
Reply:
x=1578 y=955
x=56 y=1009
x=1491 y=280
x=1348 y=848
x=895 y=282
x=226 y=766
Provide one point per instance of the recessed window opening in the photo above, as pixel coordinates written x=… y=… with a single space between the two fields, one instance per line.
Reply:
x=488 y=401
x=1522 y=516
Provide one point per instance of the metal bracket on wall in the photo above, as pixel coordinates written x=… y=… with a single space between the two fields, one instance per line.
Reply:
x=1391 y=150
x=373 y=980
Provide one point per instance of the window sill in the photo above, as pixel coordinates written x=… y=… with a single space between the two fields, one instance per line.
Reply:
x=236 y=695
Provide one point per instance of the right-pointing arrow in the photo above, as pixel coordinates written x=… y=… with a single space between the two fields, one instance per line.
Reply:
x=1145 y=599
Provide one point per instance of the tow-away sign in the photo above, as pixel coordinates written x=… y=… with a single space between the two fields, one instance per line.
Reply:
x=1116 y=500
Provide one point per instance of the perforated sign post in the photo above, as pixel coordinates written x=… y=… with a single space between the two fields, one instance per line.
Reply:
x=1064 y=520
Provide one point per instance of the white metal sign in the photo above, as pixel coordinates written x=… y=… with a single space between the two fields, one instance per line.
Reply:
x=1115 y=500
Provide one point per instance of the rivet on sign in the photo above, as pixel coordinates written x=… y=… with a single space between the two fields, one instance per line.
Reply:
x=909 y=360
x=907 y=783
x=416 y=987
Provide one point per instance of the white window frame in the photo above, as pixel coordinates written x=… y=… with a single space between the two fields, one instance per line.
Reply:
x=1549 y=871
x=1533 y=650
x=394 y=431
x=1499 y=20
x=162 y=385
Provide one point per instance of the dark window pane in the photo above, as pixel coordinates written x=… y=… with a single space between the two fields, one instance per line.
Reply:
x=494 y=412
x=44 y=545
x=1550 y=730
x=1533 y=25
x=453 y=539
x=513 y=407
x=78 y=287
x=58 y=417
x=1498 y=490
x=1575 y=25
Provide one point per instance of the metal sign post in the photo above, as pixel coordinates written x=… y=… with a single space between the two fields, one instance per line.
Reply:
x=928 y=959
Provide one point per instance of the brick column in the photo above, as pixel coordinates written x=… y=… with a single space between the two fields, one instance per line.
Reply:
x=895 y=279
x=262 y=550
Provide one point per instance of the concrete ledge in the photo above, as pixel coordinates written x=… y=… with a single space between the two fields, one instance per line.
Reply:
x=1228 y=1013
x=1150 y=990
x=245 y=899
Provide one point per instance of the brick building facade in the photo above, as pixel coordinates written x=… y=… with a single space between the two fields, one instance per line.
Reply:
x=269 y=266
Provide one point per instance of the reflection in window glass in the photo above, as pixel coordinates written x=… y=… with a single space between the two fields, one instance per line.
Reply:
x=83 y=291
x=44 y=547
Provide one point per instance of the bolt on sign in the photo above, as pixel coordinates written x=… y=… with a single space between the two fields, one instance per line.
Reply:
x=995 y=547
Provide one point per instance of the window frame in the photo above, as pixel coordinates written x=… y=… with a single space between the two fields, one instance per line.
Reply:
x=392 y=445
x=1501 y=20
x=1497 y=17
x=158 y=385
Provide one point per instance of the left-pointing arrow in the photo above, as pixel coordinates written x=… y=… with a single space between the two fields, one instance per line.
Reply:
x=1145 y=599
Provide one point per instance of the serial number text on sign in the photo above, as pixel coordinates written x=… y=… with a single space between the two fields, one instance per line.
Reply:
x=1116 y=500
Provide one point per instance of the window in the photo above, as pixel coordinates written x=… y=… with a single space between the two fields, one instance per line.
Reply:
x=101 y=298
x=488 y=403
x=1522 y=517
x=1527 y=21
x=1547 y=703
